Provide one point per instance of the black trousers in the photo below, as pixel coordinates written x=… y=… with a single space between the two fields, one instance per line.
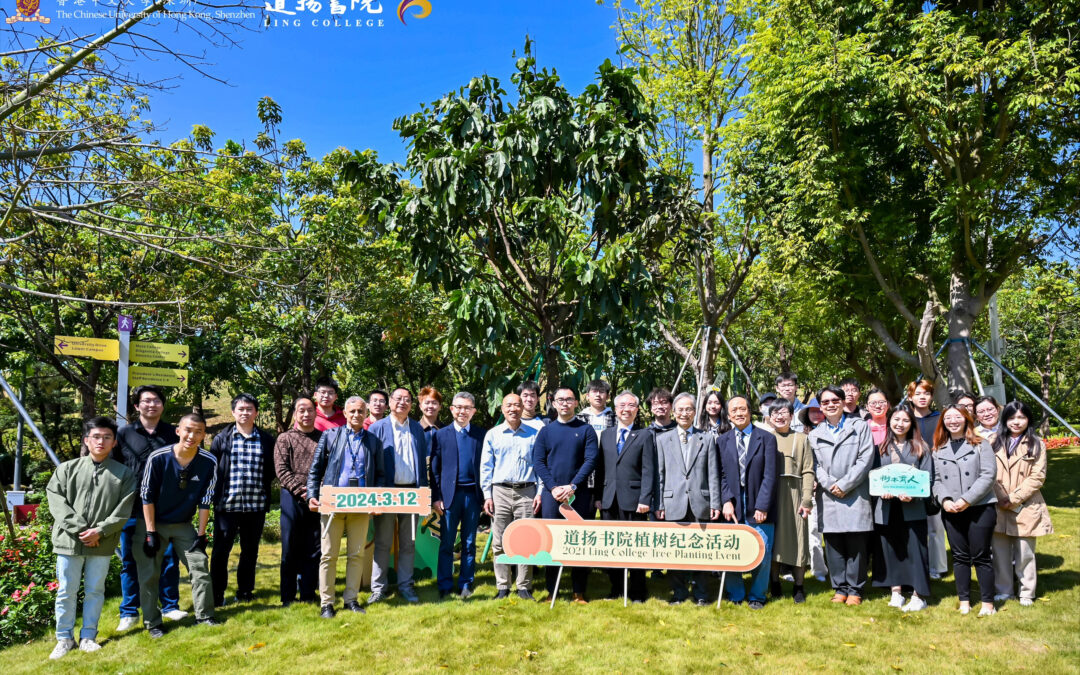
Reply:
x=228 y=526
x=846 y=554
x=300 y=549
x=549 y=508
x=971 y=533
x=637 y=589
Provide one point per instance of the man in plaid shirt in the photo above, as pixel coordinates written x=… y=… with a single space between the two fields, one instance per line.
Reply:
x=245 y=456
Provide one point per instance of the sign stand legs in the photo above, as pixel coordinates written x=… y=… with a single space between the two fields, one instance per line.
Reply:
x=625 y=592
x=412 y=519
x=555 y=593
x=326 y=529
x=723 y=578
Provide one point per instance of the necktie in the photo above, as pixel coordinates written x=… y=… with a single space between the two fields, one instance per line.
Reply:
x=684 y=439
x=622 y=441
x=742 y=457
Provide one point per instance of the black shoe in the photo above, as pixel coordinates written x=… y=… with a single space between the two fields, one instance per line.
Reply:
x=526 y=595
x=354 y=606
x=443 y=595
x=702 y=603
x=210 y=621
x=799 y=595
x=245 y=597
x=676 y=601
x=502 y=594
x=155 y=632
x=775 y=589
x=754 y=604
x=327 y=612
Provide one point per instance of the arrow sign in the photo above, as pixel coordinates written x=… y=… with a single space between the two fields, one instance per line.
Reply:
x=162 y=377
x=158 y=351
x=94 y=348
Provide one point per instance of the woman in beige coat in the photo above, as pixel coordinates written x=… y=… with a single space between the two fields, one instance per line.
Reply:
x=1021 y=512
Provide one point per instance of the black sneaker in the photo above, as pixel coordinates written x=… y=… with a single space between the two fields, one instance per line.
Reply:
x=354 y=606
x=327 y=612
x=526 y=595
x=210 y=621
x=375 y=597
x=799 y=595
x=754 y=604
x=502 y=594
x=155 y=632
x=702 y=603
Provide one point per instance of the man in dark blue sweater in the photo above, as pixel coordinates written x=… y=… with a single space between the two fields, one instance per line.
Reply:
x=178 y=480
x=564 y=456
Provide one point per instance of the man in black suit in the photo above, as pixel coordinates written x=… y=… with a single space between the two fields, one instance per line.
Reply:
x=626 y=468
x=748 y=456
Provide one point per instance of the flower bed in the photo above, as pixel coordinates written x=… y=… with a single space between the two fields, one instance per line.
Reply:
x=1061 y=442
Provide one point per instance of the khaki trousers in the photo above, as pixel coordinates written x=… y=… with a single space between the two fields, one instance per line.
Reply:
x=182 y=536
x=1014 y=555
x=355 y=528
x=510 y=504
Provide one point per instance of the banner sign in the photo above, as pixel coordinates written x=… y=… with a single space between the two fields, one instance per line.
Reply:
x=158 y=351
x=375 y=500
x=94 y=348
x=899 y=480
x=633 y=544
x=163 y=377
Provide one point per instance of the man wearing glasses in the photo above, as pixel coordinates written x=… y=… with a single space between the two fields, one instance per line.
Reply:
x=563 y=457
x=402 y=464
x=178 y=481
x=135 y=442
x=455 y=493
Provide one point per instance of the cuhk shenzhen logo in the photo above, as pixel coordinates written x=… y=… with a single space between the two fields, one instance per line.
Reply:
x=421 y=8
x=30 y=10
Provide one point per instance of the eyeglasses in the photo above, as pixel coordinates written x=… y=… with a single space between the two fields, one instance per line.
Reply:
x=565 y=400
x=401 y=399
x=831 y=401
x=626 y=406
x=183 y=479
x=100 y=437
x=463 y=407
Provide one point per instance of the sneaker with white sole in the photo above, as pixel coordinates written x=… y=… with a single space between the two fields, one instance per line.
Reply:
x=915 y=604
x=896 y=600
x=89 y=646
x=987 y=611
x=175 y=615
x=1027 y=602
x=127 y=623
x=62 y=647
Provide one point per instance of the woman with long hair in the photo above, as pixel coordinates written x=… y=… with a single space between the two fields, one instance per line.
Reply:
x=964 y=474
x=902 y=560
x=877 y=405
x=921 y=395
x=714 y=413
x=1021 y=512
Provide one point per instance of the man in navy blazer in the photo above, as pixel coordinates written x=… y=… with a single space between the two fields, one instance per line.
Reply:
x=455 y=492
x=750 y=475
x=564 y=455
x=403 y=464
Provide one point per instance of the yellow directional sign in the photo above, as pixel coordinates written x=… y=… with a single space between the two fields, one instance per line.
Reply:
x=163 y=377
x=94 y=348
x=158 y=351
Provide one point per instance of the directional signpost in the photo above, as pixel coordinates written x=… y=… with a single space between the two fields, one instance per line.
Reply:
x=162 y=377
x=92 y=348
x=158 y=351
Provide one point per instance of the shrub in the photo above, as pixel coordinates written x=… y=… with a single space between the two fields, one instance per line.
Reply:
x=272 y=530
x=1061 y=442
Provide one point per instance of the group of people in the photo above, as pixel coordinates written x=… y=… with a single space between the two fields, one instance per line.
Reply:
x=799 y=476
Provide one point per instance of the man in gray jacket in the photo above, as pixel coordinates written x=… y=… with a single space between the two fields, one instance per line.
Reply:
x=689 y=468
x=90 y=499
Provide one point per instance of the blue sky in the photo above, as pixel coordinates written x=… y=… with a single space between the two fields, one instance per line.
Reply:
x=344 y=86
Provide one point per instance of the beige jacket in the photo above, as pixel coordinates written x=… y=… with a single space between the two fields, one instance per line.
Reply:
x=1018 y=481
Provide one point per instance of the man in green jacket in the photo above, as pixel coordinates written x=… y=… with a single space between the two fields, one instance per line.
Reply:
x=90 y=499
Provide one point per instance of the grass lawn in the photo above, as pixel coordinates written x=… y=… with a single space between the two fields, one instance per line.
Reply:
x=484 y=635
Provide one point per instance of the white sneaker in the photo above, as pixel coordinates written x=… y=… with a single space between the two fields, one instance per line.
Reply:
x=62 y=647
x=89 y=646
x=1001 y=597
x=787 y=577
x=127 y=623
x=936 y=576
x=896 y=600
x=1027 y=602
x=965 y=610
x=175 y=615
x=987 y=612
x=915 y=604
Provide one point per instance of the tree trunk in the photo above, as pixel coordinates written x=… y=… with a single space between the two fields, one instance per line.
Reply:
x=306 y=349
x=925 y=347
x=279 y=409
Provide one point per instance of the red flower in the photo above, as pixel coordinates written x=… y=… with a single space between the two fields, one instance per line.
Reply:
x=52 y=585
x=4 y=611
x=32 y=584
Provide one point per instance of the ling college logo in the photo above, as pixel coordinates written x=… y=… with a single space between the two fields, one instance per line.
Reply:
x=29 y=10
x=421 y=9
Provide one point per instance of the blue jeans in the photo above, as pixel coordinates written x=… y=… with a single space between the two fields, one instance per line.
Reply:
x=70 y=570
x=464 y=511
x=759 y=576
x=129 y=575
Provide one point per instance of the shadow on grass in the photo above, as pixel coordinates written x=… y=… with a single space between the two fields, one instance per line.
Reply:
x=1062 y=487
